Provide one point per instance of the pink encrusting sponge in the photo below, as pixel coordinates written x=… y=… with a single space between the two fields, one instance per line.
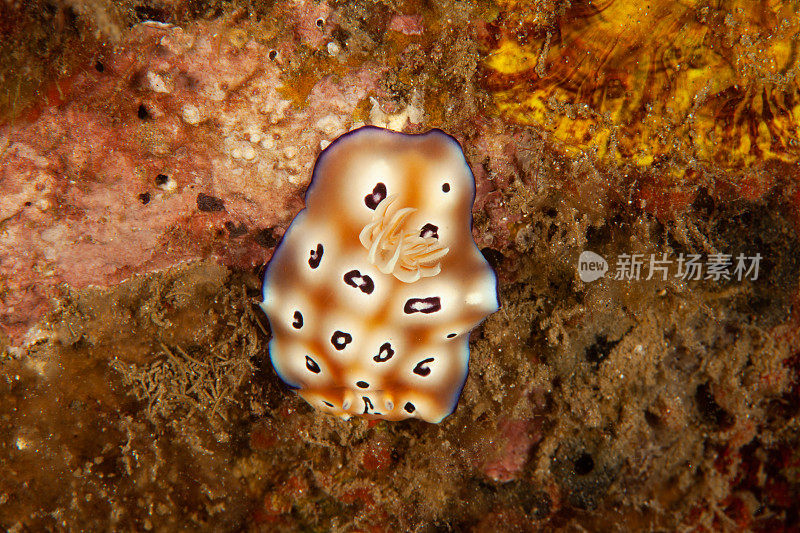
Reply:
x=374 y=289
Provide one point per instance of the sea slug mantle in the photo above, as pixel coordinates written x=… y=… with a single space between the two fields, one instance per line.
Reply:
x=374 y=289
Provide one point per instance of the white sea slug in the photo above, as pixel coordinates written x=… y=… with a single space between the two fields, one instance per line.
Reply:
x=376 y=284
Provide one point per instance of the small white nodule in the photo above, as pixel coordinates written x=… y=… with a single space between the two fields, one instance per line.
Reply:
x=190 y=114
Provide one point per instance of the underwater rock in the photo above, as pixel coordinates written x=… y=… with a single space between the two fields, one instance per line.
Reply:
x=510 y=451
x=128 y=170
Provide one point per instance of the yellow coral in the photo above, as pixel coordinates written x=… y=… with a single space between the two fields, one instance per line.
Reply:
x=635 y=81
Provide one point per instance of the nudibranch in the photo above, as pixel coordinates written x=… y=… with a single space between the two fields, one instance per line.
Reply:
x=374 y=288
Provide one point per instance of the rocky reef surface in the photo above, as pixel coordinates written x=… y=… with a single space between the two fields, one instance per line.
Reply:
x=152 y=154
